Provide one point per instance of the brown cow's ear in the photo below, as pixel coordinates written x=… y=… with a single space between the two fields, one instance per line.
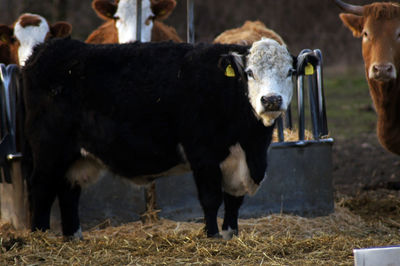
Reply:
x=105 y=9
x=61 y=29
x=162 y=8
x=354 y=23
x=6 y=33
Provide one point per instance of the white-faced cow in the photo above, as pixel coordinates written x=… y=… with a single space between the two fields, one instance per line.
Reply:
x=120 y=25
x=378 y=25
x=141 y=109
x=17 y=41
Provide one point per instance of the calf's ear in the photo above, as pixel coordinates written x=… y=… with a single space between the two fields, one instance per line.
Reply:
x=105 y=9
x=354 y=23
x=162 y=8
x=5 y=33
x=232 y=65
x=61 y=29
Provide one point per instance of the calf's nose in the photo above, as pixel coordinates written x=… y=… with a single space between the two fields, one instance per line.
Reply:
x=271 y=103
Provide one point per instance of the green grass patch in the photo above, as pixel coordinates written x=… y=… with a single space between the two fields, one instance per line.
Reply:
x=349 y=106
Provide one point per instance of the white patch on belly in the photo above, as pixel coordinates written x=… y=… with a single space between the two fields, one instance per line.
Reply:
x=86 y=170
x=236 y=179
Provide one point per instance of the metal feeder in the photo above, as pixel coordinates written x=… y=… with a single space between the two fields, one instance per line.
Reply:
x=299 y=174
x=13 y=193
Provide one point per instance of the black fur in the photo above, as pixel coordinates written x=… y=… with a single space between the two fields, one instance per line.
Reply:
x=131 y=105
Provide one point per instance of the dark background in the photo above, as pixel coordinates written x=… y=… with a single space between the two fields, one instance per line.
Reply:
x=301 y=23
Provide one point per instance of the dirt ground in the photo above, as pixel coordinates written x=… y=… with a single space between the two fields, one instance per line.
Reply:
x=361 y=164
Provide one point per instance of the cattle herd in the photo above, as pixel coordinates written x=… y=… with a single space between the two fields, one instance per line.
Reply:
x=158 y=107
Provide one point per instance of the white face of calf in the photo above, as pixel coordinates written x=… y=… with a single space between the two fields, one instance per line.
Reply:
x=126 y=21
x=270 y=84
x=30 y=35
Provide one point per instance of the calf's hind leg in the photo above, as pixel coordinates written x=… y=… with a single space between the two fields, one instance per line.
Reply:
x=68 y=198
x=41 y=196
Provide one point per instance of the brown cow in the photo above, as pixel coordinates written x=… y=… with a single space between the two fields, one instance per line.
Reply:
x=250 y=32
x=120 y=25
x=379 y=26
x=18 y=40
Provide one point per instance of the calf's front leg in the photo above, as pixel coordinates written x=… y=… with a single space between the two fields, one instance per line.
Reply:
x=208 y=182
x=230 y=224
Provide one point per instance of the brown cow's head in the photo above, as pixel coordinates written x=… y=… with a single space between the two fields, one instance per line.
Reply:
x=17 y=42
x=379 y=26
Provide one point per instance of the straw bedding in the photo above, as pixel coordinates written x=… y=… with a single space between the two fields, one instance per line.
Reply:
x=370 y=219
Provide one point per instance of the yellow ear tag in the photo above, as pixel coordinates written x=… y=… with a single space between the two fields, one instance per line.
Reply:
x=309 y=69
x=229 y=72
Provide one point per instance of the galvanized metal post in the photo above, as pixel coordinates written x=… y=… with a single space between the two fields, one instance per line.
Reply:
x=313 y=106
x=281 y=135
x=300 y=106
x=288 y=117
x=138 y=20
x=190 y=21
x=321 y=96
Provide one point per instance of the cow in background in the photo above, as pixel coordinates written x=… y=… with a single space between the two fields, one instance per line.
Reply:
x=120 y=25
x=250 y=32
x=17 y=41
x=378 y=25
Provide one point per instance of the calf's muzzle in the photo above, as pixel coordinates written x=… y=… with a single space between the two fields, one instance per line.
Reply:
x=271 y=103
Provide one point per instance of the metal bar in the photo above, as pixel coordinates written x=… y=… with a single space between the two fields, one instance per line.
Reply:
x=3 y=109
x=138 y=20
x=12 y=71
x=313 y=106
x=288 y=118
x=300 y=106
x=190 y=21
x=281 y=135
x=321 y=96
x=14 y=156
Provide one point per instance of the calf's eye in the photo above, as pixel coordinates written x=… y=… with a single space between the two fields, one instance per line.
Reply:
x=250 y=73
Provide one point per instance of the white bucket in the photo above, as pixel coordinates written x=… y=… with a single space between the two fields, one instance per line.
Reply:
x=384 y=256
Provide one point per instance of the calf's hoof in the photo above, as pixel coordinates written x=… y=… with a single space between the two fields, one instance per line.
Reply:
x=228 y=234
x=215 y=236
x=76 y=236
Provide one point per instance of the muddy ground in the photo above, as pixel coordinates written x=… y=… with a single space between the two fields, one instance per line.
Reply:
x=361 y=164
